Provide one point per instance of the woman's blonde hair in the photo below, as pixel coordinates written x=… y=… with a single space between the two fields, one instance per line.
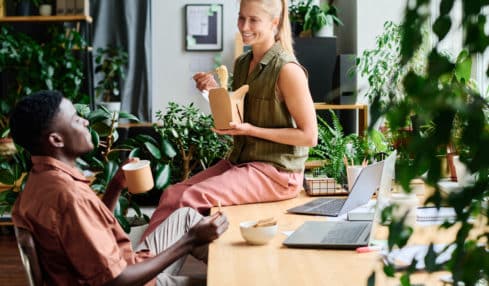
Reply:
x=279 y=8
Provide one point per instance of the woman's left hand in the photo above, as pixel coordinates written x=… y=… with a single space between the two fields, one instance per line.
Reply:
x=236 y=129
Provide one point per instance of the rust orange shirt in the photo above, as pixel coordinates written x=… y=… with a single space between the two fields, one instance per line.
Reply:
x=79 y=240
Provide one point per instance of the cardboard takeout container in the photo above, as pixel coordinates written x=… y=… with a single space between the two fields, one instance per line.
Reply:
x=227 y=106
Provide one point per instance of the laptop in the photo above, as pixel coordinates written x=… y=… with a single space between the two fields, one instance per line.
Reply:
x=342 y=234
x=365 y=185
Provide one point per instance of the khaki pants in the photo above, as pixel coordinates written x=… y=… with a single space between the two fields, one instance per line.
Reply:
x=165 y=235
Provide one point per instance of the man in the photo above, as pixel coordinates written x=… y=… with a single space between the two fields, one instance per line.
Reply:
x=78 y=239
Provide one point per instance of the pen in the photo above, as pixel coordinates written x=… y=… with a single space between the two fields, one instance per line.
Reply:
x=365 y=249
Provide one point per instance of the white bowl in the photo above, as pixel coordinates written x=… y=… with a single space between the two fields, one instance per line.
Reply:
x=257 y=235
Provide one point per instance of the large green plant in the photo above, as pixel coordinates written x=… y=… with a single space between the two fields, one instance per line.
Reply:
x=106 y=158
x=30 y=66
x=189 y=131
x=442 y=97
x=381 y=65
x=13 y=169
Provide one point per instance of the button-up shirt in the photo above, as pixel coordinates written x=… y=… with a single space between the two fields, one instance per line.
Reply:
x=78 y=239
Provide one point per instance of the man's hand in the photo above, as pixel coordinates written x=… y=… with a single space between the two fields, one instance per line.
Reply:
x=119 y=181
x=115 y=186
x=209 y=229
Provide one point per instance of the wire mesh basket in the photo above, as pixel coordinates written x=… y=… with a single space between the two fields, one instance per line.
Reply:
x=321 y=186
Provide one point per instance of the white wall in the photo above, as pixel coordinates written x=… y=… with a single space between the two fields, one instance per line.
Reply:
x=172 y=66
x=371 y=16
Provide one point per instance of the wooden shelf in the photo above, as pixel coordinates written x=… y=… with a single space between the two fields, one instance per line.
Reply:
x=362 y=112
x=60 y=18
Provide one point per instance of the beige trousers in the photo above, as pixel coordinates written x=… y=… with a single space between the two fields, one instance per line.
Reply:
x=165 y=235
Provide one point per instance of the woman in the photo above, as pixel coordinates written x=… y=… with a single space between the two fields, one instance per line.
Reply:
x=271 y=146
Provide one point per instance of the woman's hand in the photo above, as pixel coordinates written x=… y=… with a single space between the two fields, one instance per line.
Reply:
x=236 y=129
x=204 y=81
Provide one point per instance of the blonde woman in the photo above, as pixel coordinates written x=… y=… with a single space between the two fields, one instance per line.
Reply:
x=271 y=146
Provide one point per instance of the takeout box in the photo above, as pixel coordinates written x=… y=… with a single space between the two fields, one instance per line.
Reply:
x=227 y=106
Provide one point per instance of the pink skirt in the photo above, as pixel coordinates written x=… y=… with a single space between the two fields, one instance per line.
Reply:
x=231 y=185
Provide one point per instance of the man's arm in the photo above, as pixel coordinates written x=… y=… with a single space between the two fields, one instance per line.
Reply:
x=207 y=230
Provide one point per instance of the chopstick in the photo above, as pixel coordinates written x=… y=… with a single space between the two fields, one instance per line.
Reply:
x=345 y=161
x=219 y=206
x=239 y=113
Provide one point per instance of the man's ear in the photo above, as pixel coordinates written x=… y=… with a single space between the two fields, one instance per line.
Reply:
x=56 y=140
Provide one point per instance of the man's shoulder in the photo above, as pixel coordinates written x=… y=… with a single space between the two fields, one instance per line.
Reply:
x=55 y=184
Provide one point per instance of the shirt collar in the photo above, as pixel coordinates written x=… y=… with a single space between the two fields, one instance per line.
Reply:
x=271 y=53
x=42 y=163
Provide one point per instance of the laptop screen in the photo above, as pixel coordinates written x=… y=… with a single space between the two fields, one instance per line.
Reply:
x=388 y=175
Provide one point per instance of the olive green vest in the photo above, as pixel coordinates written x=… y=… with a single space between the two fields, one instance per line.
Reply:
x=263 y=109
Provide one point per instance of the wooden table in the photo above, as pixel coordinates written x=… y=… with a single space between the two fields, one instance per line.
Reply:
x=233 y=262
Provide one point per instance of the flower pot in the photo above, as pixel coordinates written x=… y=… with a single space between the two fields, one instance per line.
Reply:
x=45 y=9
x=325 y=31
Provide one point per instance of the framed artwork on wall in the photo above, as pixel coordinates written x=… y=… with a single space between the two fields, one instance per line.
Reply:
x=203 y=27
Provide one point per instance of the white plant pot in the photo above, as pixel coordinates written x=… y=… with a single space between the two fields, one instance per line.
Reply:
x=325 y=31
x=45 y=10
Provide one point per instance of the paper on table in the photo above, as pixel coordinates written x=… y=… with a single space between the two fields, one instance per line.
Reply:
x=363 y=212
x=434 y=214
x=403 y=257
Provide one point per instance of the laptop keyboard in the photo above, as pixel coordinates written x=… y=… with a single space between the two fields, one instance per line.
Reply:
x=327 y=207
x=344 y=233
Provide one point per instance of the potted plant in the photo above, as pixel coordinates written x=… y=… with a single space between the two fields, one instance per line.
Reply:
x=45 y=7
x=189 y=131
x=317 y=20
x=297 y=13
x=334 y=147
x=451 y=106
x=28 y=66
x=106 y=157
x=13 y=169
x=111 y=63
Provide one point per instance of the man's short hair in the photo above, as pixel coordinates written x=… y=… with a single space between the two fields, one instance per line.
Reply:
x=32 y=116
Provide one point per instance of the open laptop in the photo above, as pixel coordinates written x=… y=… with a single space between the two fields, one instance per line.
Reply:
x=365 y=185
x=342 y=234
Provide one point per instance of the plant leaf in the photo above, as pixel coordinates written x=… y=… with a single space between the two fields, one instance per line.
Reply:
x=153 y=150
x=162 y=176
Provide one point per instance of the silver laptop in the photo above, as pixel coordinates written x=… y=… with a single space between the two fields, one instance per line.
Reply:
x=365 y=185
x=343 y=234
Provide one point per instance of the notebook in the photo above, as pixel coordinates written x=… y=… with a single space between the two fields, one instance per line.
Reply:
x=343 y=234
x=365 y=185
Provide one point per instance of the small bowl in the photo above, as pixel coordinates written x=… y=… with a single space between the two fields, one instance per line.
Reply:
x=257 y=235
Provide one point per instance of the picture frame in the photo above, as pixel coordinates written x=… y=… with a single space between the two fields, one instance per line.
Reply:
x=203 y=27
